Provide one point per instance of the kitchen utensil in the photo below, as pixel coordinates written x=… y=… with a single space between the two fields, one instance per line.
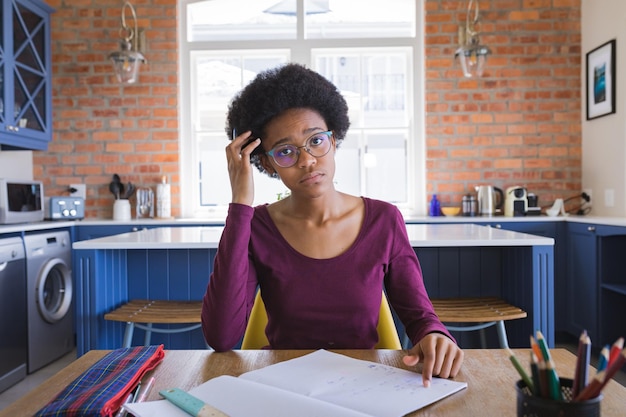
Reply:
x=516 y=201
x=490 y=199
x=116 y=187
x=129 y=191
x=469 y=205
x=145 y=203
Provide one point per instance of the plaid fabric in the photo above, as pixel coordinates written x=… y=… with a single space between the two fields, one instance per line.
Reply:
x=101 y=390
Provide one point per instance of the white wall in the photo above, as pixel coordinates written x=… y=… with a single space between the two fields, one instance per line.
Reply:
x=16 y=165
x=604 y=139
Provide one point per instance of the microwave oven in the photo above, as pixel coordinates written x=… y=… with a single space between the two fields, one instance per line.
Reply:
x=21 y=201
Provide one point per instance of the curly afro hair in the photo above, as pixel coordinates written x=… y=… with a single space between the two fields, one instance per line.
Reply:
x=286 y=87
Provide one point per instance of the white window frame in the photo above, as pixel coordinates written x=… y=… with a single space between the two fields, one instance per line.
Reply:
x=300 y=52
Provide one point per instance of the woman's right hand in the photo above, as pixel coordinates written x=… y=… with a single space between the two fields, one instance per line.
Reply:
x=240 y=169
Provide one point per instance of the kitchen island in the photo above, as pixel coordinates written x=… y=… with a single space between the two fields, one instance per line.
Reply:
x=176 y=262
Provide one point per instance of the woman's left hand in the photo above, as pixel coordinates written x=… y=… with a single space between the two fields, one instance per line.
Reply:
x=439 y=356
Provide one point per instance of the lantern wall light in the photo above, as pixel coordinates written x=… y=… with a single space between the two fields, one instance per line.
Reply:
x=128 y=60
x=471 y=54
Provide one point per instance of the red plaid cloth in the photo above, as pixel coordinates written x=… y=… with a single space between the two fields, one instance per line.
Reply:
x=101 y=390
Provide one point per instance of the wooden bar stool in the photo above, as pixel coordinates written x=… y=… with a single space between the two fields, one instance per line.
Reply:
x=152 y=312
x=484 y=311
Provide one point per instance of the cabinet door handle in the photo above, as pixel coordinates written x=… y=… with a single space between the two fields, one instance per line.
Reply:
x=591 y=229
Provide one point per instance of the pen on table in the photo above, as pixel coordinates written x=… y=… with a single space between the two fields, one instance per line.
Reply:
x=603 y=360
x=581 y=374
x=136 y=392
x=521 y=371
x=146 y=391
x=122 y=411
x=602 y=378
x=615 y=350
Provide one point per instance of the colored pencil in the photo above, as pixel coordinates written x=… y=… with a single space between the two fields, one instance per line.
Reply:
x=543 y=346
x=592 y=391
x=615 y=350
x=544 y=386
x=521 y=371
x=535 y=347
x=581 y=374
x=554 y=383
x=603 y=360
x=534 y=370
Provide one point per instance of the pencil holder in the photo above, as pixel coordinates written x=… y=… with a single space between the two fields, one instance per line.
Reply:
x=529 y=405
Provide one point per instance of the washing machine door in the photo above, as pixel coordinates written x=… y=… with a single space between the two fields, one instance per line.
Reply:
x=54 y=291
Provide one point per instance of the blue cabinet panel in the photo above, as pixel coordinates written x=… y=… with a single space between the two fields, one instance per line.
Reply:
x=521 y=275
x=25 y=75
x=582 y=293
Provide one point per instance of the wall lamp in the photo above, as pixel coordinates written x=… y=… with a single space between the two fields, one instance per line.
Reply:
x=471 y=54
x=128 y=59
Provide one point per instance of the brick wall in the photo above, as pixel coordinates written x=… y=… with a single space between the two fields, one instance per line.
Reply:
x=519 y=125
x=102 y=127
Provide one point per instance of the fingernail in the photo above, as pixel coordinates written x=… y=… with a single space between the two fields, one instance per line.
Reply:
x=234 y=133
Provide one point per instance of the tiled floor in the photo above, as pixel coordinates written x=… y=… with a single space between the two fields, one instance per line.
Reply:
x=33 y=380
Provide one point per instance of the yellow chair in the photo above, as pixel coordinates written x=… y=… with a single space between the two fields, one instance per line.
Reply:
x=254 y=336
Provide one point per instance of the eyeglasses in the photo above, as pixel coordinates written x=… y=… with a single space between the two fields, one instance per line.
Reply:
x=286 y=155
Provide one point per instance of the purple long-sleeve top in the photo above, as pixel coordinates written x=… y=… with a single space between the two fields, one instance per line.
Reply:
x=315 y=303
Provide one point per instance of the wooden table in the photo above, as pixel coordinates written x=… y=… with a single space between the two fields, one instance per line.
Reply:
x=488 y=372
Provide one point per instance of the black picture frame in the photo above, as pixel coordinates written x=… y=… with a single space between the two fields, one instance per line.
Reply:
x=600 y=71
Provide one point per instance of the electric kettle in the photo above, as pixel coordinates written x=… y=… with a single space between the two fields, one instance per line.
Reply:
x=490 y=199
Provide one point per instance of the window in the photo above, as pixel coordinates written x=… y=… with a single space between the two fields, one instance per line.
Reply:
x=371 y=54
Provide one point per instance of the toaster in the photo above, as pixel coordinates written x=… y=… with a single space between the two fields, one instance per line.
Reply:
x=66 y=208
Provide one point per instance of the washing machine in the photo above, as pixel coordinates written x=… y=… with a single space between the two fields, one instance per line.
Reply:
x=49 y=291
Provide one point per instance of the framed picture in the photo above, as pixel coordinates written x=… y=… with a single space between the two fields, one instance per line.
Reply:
x=601 y=81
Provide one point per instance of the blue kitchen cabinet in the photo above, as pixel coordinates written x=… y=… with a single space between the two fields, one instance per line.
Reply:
x=611 y=247
x=25 y=75
x=582 y=282
x=596 y=281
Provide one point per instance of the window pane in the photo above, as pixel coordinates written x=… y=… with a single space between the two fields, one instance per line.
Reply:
x=230 y=20
x=216 y=78
x=348 y=166
x=386 y=166
x=374 y=83
x=361 y=19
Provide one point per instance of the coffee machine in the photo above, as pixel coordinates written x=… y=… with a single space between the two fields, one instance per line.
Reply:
x=515 y=201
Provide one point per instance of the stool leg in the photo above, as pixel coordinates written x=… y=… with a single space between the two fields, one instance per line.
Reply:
x=128 y=334
x=483 y=338
x=146 y=340
x=504 y=342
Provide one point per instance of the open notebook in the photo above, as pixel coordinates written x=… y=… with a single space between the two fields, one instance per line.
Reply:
x=321 y=383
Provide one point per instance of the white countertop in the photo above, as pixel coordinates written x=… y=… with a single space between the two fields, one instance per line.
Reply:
x=420 y=235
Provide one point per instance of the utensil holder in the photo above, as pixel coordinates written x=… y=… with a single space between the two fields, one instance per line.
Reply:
x=121 y=210
x=529 y=405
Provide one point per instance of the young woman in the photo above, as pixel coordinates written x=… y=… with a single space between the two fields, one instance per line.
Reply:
x=319 y=256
